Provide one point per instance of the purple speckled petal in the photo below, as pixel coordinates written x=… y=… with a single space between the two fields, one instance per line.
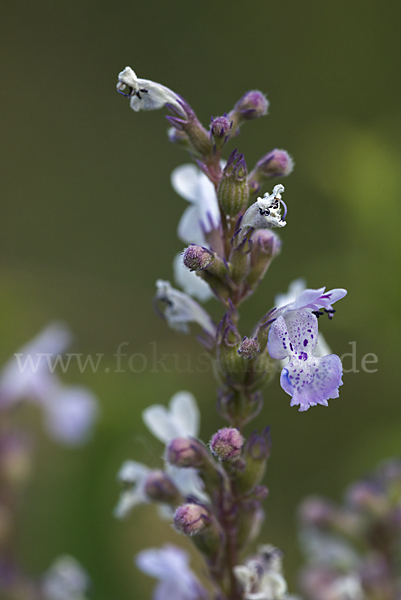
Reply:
x=313 y=381
x=294 y=335
x=302 y=330
x=278 y=344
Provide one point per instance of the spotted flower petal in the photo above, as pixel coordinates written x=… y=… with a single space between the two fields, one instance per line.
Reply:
x=310 y=380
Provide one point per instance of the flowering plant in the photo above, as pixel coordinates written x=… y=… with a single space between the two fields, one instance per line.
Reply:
x=214 y=492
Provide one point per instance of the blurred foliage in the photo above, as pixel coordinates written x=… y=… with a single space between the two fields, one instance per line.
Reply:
x=89 y=219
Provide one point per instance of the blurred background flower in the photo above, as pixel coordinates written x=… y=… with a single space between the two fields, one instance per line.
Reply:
x=89 y=222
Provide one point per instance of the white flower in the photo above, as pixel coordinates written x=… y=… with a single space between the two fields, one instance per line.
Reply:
x=170 y=566
x=65 y=580
x=265 y=213
x=145 y=94
x=190 y=282
x=69 y=411
x=261 y=577
x=181 y=419
x=204 y=213
x=181 y=309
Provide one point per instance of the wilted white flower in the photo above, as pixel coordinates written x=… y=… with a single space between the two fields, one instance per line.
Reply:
x=145 y=94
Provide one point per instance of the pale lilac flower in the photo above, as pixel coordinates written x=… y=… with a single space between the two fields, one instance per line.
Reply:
x=190 y=282
x=309 y=379
x=69 y=411
x=170 y=566
x=147 y=95
x=204 y=214
x=180 y=309
x=65 y=580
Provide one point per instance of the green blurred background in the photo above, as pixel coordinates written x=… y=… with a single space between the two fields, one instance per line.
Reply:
x=89 y=218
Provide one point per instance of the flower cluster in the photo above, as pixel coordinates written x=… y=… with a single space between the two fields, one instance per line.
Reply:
x=214 y=493
x=352 y=550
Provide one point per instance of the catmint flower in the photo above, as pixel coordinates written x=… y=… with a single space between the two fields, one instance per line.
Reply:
x=147 y=95
x=69 y=411
x=265 y=213
x=170 y=566
x=277 y=163
x=261 y=576
x=181 y=309
x=133 y=476
x=203 y=215
x=65 y=580
x=189 y=281
x=310 y=380
x=227 y=443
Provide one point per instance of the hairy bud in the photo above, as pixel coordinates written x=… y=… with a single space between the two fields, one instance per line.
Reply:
x=277 y=163
x=186 y=452
x=220 y=131
x=251 y=106
x=227 y=443
x=197 y=258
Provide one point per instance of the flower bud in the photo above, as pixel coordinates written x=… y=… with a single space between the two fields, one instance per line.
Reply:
x=227 y=443
x=186 y=452
x=196 y=258
x=277 y=163
x=197 y=520
x=249 y=348
x=233 y=190
x=191 y=518
x=220 y=130
x=160 y=488
x=266 y=245
x=256 y=452
x=252 y=105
